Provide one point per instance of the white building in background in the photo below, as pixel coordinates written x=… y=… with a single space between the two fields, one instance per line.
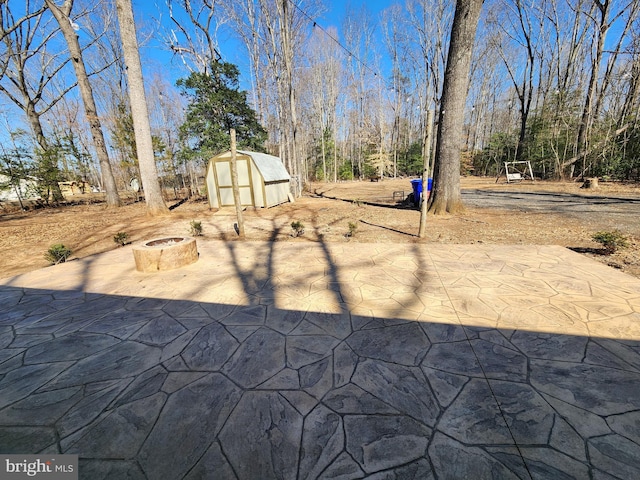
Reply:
x=25 y=190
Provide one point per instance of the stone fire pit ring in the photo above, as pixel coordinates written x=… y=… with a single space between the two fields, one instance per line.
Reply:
x=165 y=253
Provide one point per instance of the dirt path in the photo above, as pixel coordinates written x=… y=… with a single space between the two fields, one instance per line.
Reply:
x=541 y=213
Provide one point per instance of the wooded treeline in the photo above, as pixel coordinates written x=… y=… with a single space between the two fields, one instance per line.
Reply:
x=556 y=82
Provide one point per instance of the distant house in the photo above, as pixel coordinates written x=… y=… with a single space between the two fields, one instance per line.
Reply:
x=73 y=188
x=25 y=189
x=262 y=179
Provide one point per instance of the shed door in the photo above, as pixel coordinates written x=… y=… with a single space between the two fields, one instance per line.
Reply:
x=225 y=188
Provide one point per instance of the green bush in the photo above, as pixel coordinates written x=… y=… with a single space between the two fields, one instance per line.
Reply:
x=611 y=240
x=353 y=228
x=298 y=228
x=57 y=253
x=195 y=228
x=121 y=238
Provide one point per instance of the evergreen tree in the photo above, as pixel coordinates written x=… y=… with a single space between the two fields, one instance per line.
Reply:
x=215 y=106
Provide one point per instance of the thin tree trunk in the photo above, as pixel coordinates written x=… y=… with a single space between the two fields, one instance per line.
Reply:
x=62 y=15
x=324 y=159
x=287 y=57
x=446 y=196
x=234 y=184
x=632 y=93
x=139 y=111
x=425 y=176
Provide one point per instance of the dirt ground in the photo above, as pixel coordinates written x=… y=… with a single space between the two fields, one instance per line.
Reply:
x=538 y=213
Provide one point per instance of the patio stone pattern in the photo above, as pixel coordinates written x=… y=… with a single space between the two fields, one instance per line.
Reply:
x=303 y=360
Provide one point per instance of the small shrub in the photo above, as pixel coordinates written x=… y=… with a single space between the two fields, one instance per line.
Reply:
x=121 y=238
x=357 y=202
x=611 y=241
x=353 y=228
x=298 y=228
x=195 y=228
x=57 y=253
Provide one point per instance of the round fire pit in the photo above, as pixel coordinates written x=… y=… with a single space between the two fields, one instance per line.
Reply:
x=165 y=253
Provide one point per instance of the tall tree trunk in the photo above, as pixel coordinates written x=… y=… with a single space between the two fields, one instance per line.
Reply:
x=446 y=190
x=286 y=22
x=587 y=112
x=62 y=15
x=139 y=111
x=33 y=117
x=525 y=95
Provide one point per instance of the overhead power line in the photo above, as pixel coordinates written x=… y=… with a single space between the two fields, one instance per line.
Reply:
x=334 y=39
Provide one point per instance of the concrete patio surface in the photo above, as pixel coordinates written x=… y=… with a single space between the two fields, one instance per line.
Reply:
x=302 y=360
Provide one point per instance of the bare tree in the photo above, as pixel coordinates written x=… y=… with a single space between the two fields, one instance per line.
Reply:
x=446 y=195
x=74 y=140
x=632 y=97
x=197 y=44
x=30 y=77
x=521 y=26
x=429 y=21
x=167 y=115
x=25 y=43
x=594 y=94
x=245 y=16
x=358 y=31
x=319 y=93
x=600 y=34
x=632 y=11
x=111 y=95
x=279 y=17
x=485 y=87
x=144 y=144
x=286 y=18
x=63 y=16
x=396 y=43
x=565 y=75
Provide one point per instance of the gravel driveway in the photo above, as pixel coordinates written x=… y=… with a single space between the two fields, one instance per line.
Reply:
x=607 y=212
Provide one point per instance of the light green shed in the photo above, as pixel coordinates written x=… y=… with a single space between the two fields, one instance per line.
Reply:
x=262 y=179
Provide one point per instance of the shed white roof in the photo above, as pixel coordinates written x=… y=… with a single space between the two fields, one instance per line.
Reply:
x=271 y=168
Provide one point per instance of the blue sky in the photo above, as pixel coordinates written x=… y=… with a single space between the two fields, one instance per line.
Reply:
x=159 y=59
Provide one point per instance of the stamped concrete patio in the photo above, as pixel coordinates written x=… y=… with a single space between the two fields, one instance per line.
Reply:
x=299 y=360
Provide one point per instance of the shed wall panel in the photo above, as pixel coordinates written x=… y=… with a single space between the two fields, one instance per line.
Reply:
x=258 y=186
x=226 y=196
x=212 y=187
x=242 y=165
x=277 y=193
x=223 y=169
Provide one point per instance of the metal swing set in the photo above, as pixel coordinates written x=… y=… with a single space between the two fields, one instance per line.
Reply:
x=517 y=171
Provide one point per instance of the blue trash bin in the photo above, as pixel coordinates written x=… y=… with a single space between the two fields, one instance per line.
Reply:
x=416 y=184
